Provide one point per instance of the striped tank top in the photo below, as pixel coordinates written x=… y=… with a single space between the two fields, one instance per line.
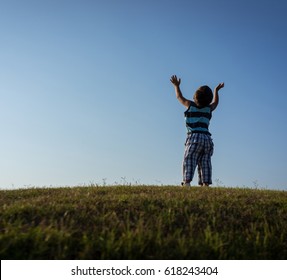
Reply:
x=197 y=119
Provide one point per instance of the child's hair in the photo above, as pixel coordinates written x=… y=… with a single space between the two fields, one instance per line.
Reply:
x=203 y=96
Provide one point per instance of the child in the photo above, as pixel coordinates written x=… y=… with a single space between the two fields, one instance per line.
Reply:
x=198 y=145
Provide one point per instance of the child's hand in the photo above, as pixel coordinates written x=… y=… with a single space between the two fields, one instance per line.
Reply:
x=175 y=81
x=220 y=86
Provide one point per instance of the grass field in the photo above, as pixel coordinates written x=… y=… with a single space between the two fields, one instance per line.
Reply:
x=143 y=222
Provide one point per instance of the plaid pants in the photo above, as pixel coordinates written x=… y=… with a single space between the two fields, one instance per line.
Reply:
x=198 y=152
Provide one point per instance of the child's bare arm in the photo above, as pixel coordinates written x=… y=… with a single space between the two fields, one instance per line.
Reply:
x=215 y=102
x=176 y=82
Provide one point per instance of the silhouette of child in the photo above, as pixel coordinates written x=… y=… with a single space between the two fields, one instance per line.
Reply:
x=199 y=144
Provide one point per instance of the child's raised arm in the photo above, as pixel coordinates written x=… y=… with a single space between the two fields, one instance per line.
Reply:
x=215 y=102
x=176 y=82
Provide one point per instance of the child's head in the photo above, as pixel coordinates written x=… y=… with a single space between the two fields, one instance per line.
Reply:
x=203 y=96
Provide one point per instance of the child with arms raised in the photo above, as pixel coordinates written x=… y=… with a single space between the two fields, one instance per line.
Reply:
x=198 y=145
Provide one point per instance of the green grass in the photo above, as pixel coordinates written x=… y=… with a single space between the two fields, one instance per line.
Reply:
x=143 y=222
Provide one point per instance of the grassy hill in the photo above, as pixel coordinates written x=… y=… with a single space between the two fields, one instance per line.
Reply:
x=143 y=222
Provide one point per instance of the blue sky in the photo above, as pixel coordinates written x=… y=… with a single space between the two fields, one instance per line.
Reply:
x=86 y=98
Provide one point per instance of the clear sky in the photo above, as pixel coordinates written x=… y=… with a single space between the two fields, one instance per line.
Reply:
x=86 y=97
